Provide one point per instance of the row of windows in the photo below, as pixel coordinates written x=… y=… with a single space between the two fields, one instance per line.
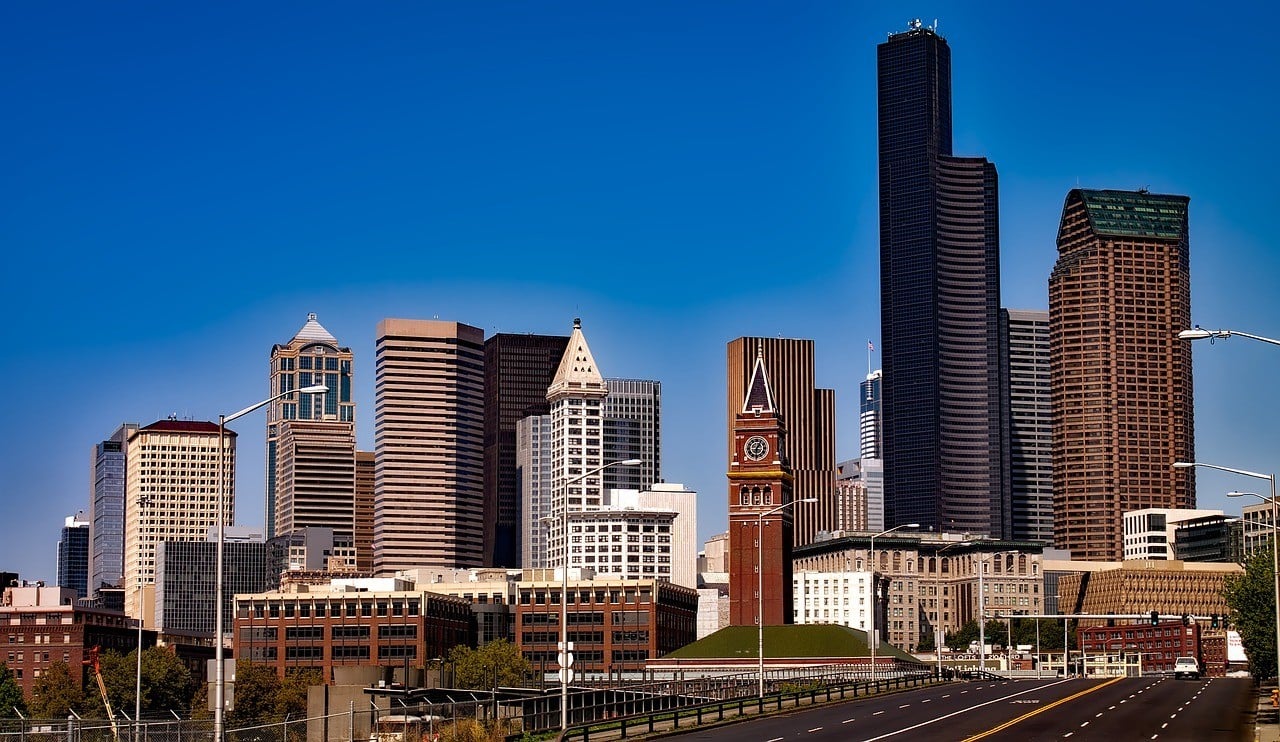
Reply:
x=350 y=609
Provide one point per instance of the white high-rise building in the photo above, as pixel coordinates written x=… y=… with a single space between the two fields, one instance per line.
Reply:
x=534 y=478
x=842 y=598
x=171 y=494
x=1148 y=533
x=576 y=397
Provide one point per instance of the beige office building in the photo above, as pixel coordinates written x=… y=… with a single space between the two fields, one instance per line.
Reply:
x=428 y=502
x=312 y=357
x=171 y=494
x=315 y=478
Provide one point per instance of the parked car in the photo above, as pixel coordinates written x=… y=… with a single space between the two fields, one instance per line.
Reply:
x=1187 y=667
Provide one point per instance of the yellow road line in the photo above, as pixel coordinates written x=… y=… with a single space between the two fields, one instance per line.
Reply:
x=1040 y=710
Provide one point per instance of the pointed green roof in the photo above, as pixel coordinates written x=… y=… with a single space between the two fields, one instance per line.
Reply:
x=1134 y=213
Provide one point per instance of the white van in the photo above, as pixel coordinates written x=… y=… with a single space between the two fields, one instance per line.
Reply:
x=1186 y=667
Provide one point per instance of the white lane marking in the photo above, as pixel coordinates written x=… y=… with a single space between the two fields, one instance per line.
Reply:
x=904 y=705
x=964 y=691
x=913 y=727
x=926 y=700
x=776 y=739
x=846 y=721
x=1154 y=736
x=1173 y=716
x=1097 y=714
x=1113 y=708
x=1068 y=734
x=1162 y=726
x=1124 y=700
x=947 y=696
x=876 y=713
x=1084 y=725
x=815 y=729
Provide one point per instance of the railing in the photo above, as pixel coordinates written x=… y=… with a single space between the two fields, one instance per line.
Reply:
x=692 y=715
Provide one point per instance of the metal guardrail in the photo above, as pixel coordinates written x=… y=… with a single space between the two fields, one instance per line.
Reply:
x=647 y=723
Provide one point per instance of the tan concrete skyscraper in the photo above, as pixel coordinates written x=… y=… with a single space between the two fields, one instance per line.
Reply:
x=313 y=356
x=428 y=445
x=171 y=494
x=810 y=418
x=1120 y=380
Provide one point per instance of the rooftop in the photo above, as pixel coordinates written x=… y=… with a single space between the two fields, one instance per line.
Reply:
x=1134 y=213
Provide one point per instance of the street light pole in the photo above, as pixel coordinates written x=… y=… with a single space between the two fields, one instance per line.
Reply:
x=760 y=582
x=1199 y=333
x=219 y=677
x=137 y=688
x=564 y=585
x=875 y=590
x=937 y=597
x=1275 y=534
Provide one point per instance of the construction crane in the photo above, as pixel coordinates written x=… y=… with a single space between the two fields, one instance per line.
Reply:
x=102 y=688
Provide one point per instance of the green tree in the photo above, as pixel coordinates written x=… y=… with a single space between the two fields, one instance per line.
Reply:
x=257 y=689
x=12 y=702
x=291 y=701
x=56 y=692
x=478 y=668
x=1252 y=599
x=960 y=639
x=166 y=682
x=925 y=642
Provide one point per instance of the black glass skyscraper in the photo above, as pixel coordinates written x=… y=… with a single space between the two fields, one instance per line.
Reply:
x=518 y=368
x=939 y=299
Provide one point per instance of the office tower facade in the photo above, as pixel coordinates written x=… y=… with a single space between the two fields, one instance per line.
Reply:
x=363 y=520
x=632 y=430
x=871 y=436
x=576 y=397
x=1119 y=375
x=851 y=490
x=810 y=419
x=106 y=509
x=1024 y=355
x=428 y=502
x=313 y=356
x=186 y=590
x=73 y=554
x=517 y=371
x=315 y=477
x=172 y=493
x=939 y=296
x=533 y=465
x=761 y=532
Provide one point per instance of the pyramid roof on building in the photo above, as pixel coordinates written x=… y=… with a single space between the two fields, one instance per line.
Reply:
x=577 y=371
x=314 y=331
x=759 y=393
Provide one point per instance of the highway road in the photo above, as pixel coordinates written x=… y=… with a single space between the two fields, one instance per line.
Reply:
x=1114 y=710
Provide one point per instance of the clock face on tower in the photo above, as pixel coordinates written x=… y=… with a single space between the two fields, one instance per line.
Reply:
x=756 y=448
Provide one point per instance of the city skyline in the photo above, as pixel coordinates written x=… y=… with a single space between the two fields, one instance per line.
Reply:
x=505 y=167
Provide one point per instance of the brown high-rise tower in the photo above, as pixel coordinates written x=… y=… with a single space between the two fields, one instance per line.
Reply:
x=759 y=482
x=1120 y=379
x=810 y=417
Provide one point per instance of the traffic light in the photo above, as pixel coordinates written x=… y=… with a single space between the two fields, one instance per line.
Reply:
x=1213 y=621
x=1155 y=618
x=1186 y=620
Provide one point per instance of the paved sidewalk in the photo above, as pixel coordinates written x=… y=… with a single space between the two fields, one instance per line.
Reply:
x=1265 y=728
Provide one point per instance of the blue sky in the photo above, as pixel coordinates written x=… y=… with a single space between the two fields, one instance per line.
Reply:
x=180 y=184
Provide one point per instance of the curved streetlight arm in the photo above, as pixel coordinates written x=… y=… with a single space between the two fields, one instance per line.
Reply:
x=1199 y=333
x=317 y=389
x=1242 y=472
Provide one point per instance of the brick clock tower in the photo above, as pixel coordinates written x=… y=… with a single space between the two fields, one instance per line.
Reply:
x=759 y=482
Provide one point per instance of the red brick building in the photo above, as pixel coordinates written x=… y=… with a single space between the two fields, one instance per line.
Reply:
x=1159 y=645
x=331 y=627
x=615 y=625
x=40 y=626
x=760 y=529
